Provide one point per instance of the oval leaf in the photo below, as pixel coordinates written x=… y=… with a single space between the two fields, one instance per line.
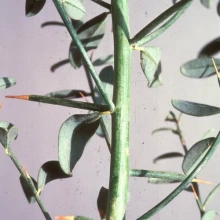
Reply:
x=28 y=193
x=104 y=60
x=74 y=9
x=49 y=171
x=150 y=64
x=74 y=134
x=168 y=156
x=207 y=3
x=209 y=215
x=200 y=68
x=8 y=133
x=211 y=195
x=195 y=154
x=195 y=109
x=33 y=7
x=6 y=82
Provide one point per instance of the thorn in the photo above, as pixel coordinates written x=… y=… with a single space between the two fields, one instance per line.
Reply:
x=26 y=173
x=24 y=97
x=1 y=106
x=194 y=191
x=201 y=181
x=83 y=96
x=216 y=70
x=70 y=217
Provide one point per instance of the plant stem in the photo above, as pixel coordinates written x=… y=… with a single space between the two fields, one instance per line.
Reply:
x=29 y=182
x=85 y=57
x=119 y=169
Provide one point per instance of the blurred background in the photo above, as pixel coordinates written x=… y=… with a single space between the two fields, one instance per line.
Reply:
x=28 y=51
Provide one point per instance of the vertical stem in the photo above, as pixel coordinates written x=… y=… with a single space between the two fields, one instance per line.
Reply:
x=119 y=169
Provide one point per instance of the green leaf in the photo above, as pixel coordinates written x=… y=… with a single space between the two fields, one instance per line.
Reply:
x=207 y=3
x=144 y=36
x=6 y=82
x=8 y=133
x=208 y=133
x=211 y=195
x=27 y=191
x=104 y=60
x=49 y=171
x=164 y=129
x=67 y=94
x=200 y=68
x=102 y=202
x=168 y=156
x=195 y=154
x=150 y=64
x=209 y=215
x=74 y=134
x=33 y=7
x=171 y=117
x=195 y=109
x=74 y=9
x=90 y=34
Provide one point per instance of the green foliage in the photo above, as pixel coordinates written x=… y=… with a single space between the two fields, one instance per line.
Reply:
x=74 y=134
x=207 y=3
x=33 y=7
x=104 y=60
x=6 y=82
x=209 y=215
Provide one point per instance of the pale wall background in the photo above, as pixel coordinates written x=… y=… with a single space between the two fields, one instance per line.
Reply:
x=27 y=52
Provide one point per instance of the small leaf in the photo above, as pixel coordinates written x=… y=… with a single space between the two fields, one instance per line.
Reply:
x=49 y=171
x=209 y=215
x=207 y=3
x=104 y=60
x=74 y=134
x=8 y=133
x=211 y=195
x=6 y=82
x=200 y=68
x=168 y=156
x=90 y=34
x=33 y=7
x=150 y=64
x=67 y=94
x=164 y=129
x=195 y=154
x=74 y=9
x=27 y=191
x=195 y=109
x=171 y=117
x=102 y=202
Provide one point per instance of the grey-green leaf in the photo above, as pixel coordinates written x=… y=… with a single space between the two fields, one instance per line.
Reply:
x=49 y=171
x=209 y=215
x=200 y=68
x=104 y=60
x=195 y=109
x=8 y=132
x=67 y=94
x=27 y=191
x=195 y=154
x=6 y=82
x=211 y=195
x=207 y=3
x=33 y=7
x=74 y=134
x=74 y=9
x=168 y=156
x=150 y=64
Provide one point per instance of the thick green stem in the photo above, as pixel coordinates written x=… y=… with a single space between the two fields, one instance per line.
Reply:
x=85 y=57
x=29 y=182
x=119 y=171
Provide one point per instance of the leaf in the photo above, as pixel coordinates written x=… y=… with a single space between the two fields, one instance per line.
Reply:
x=90 y=34
x=200 y=68
x=211 y=195
x=28 y=193
x=209 y=215
x=207 y=3
x=33 y=7
x=164 y=129
x=150 y=59
x=67 y=94
x=211 y=48
x=74 y=9
x=102 y=202
x=218 y=8
x=195 y=109
x=168 y=156
x=195 y=154
x=104 y=60
x=74 y=134
x=208 y=133
x=8 y=133
x=6 y=82
x=49 y=171
x=171 y=117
